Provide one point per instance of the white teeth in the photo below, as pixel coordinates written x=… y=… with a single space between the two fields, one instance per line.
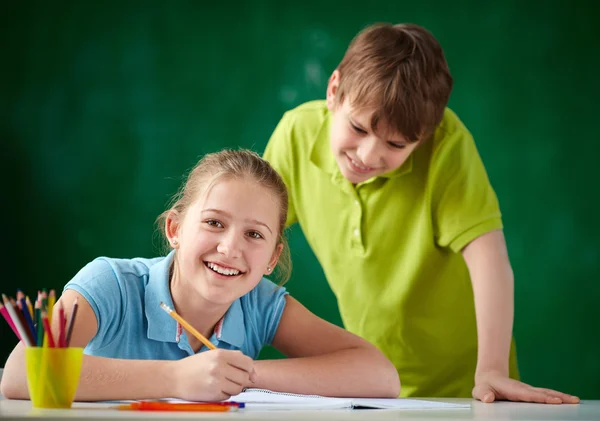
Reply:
x=360 y=166
x=222 y=270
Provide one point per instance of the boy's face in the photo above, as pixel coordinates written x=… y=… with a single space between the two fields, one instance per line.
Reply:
x=360 y=153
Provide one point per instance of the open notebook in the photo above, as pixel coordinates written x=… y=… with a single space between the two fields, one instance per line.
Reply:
x=261 y=399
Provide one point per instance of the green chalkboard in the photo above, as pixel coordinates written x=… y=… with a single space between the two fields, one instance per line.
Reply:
x=106 y=104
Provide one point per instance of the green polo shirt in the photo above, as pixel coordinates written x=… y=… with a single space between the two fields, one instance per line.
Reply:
x=390 y=247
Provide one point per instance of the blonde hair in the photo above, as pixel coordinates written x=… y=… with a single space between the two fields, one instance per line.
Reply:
x=401 y=73
x=237 y=164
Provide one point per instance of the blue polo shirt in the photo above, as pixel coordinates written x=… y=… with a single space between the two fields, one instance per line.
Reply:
x=125 y=295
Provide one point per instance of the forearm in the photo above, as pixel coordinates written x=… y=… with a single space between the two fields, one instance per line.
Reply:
x=493 y=289
x=101 y=378
x=356 y=372
x=495 y=309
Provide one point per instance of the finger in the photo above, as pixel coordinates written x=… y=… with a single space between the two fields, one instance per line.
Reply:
x=231 y=388
x=531 y=394
x=484 y=393
x=237 y=376
x=564 y=397
x=241 y=361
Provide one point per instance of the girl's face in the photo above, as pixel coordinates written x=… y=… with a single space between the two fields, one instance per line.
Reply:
x=228 y=240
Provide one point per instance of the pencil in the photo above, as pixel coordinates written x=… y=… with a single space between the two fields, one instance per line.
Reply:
x=28 y=321
x=72 y=321
x=29 y=306
x=172 y=406
x=51 y=343
x=51 y=302
x=38 y=319
x=16 y=320
x=62 y=343
x=186 y=325
x=8 y=319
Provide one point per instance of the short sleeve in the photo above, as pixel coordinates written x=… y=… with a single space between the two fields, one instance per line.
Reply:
x=464 y=204
x=98 y=283
x=267 y=302
x=279 y=154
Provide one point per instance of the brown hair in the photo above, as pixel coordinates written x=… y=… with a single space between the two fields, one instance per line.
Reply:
x=401 y=73
x=237 y=164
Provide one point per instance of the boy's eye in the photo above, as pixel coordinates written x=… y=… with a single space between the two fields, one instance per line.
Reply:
x=397 y=145
x=357 y=129
x=255 y=234
x=214 y=223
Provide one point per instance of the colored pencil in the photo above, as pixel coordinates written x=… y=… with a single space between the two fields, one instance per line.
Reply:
x=72 y=320
x=51 y=302
x=186 y=325
x=176 y=406
x=26 y=315
x=29 y=306
x=48 y=332
x=8 y=319
x=38 y=319
x=12 y=311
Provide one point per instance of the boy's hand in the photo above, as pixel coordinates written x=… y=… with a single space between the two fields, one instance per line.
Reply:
x=491 y=386
x=212 y=375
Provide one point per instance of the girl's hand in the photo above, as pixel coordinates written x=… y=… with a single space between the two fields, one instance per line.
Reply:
x=492 y=386
x=212 y=375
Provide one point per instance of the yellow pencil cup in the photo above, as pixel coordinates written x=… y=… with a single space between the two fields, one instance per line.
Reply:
x=53 y=375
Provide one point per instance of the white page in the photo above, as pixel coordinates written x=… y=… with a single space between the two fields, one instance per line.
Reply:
x=404 y=403
x=260 y=399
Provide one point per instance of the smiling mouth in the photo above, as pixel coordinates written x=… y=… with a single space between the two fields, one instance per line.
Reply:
x=357 y=167
x=222 y=270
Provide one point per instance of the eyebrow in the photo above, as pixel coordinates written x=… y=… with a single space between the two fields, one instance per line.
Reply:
x=227 y=214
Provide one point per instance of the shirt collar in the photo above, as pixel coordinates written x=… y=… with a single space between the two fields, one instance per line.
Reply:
x=162 y=327
x=322 y=156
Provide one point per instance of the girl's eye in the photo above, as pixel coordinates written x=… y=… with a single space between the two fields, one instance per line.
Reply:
x=255 y=234
x=397 y=145
x=214 y=223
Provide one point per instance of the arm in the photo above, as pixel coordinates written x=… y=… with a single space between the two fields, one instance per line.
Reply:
x=225 y=372
x=493 y=291
x=325 y=359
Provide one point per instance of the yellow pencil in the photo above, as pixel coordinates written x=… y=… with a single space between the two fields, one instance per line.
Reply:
x=188 y=326
x=51 y=302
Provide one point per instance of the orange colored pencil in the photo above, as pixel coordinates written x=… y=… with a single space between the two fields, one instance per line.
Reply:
x=176 y=406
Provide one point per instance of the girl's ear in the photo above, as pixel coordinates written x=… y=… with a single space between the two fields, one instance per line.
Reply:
x=172 y=223
x=274 y=259
x=332 y=85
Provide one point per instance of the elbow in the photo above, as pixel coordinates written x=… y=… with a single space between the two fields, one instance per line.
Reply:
x=387 y=378
x=393 y=384
x=12 y=390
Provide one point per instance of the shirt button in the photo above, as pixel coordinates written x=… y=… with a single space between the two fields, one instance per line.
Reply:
x=356 y=232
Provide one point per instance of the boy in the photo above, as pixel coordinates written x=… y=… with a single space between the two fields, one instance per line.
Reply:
x=392 y=196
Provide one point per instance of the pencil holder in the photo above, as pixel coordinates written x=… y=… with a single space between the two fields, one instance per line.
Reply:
x=53 y=375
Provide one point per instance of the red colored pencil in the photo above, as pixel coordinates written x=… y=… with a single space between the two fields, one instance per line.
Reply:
x=62 y=343
x=51 y=343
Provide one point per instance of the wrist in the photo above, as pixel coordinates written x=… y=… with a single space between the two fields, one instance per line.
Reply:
x=485 y=371
x=167 y=379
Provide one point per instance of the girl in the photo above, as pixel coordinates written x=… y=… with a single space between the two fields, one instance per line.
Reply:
x=225 y=229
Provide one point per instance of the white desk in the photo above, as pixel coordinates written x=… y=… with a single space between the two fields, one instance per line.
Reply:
x=587 y=410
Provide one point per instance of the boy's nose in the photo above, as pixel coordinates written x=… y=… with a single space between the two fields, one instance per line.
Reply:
x=368 y=154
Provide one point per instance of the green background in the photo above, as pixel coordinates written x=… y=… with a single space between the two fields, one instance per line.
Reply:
x=105 y=105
